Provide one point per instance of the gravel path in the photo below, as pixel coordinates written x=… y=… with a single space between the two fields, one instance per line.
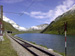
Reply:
x=20 y=50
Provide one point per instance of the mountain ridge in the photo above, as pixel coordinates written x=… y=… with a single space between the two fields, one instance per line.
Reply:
x=57 y=26
x=16 y=26
x=13 y=24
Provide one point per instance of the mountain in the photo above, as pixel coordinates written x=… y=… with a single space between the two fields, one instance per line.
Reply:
x=38 y=27
x=57 y=26
x=8 y=27
x=14 y=24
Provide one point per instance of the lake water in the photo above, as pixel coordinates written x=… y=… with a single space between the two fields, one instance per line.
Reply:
x=56 y=42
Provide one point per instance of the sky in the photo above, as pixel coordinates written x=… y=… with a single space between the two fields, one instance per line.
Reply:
x=27 y=13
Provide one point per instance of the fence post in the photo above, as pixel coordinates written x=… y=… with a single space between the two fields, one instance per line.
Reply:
x=65 y=39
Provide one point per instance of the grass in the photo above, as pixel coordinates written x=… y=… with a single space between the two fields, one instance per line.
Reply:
x=9 y=27
x=63 y=54
x=39 y=45
x=6 y=48
x=44 y=46
x=57 y=27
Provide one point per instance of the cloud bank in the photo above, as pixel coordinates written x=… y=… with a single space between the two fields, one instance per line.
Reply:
x=52 y=14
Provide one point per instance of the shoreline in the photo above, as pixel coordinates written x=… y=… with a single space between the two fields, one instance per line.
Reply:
x=41 y=46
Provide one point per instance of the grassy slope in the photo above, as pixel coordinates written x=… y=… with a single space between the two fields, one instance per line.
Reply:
x=6 y=49
x=9 y=27
x=5 y=46
x=58 y=26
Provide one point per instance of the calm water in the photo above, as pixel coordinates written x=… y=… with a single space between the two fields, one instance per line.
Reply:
x=56 y=42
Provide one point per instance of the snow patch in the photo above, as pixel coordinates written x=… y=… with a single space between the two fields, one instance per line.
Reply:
x=14 y=24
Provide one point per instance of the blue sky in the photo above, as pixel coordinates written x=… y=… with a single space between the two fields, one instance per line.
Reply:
x=35 y=12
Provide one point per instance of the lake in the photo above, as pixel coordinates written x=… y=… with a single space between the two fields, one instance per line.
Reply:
x=55 y=42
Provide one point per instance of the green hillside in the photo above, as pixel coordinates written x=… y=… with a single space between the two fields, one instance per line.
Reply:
x=57 y=26
x=9 y=27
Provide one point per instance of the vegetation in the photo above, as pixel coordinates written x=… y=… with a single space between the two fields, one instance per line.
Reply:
x=57 y=26
x=60 y=53
x=20 y=32
x=8 y=27
x=39 y=45
x=33 y=42
x=6 y=49
x=44 y=46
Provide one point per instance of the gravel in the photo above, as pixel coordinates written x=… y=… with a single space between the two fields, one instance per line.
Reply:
x=20 y=50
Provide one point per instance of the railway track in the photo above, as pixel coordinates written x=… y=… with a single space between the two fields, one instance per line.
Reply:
x=36 y=51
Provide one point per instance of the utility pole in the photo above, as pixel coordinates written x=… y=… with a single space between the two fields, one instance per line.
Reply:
x=1 y=23
x=1 y=12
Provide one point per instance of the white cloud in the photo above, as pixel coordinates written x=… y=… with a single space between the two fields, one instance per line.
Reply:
x=39 y=15
x=60 y=9
x=47 y=22
x=26 y=13
x=11 y=1
x=52 y=14
x=14 y=24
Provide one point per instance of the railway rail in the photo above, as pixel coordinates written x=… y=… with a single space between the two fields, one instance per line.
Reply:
x=36 y=51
